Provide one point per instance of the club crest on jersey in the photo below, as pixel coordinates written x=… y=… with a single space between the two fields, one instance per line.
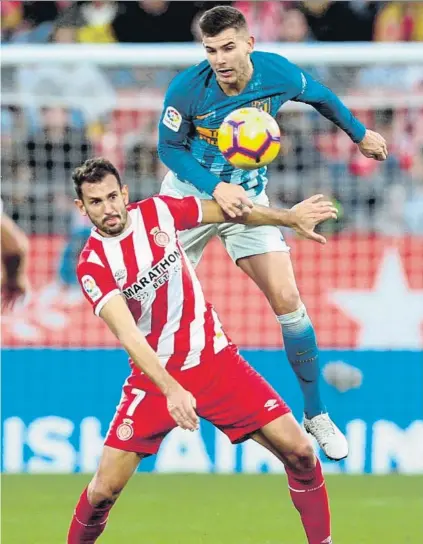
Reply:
x=172 y=119
x=91 y=288
x=125 y=431
x=264 y=105
x=161 y=238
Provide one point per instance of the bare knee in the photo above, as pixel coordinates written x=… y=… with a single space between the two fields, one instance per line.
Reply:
x=287 y=300
x=102 y=491
x=302 y=458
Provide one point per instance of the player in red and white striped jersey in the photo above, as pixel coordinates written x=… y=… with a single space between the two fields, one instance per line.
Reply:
x=139 y=281
x=147 y=264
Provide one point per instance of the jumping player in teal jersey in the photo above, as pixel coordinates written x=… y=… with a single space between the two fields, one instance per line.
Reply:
x=198 y=99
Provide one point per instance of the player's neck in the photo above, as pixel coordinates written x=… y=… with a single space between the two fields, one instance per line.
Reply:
x=232 y=89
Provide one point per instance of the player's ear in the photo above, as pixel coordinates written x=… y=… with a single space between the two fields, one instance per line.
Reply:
x=251 y=41
x=125 y=193
x=80 y=205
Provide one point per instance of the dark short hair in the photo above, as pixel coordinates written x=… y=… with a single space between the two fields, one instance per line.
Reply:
x=219 y=18
x=92 y=171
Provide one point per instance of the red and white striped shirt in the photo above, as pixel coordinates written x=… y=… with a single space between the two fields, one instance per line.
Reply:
x=147 y=265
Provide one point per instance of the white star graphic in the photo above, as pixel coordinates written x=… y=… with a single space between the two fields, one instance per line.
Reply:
x=391 y=314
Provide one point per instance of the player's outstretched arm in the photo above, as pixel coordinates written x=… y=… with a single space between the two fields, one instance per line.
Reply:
x=181 y=404
x=303 y=217
x=14 y=248
x=327 y=103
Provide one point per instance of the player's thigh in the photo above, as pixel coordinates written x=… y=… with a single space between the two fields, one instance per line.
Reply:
x=288 y=442
x=238 y=400
x=114 y=471
x=141 y=420
x=274 y=275
x=246 y=240
x=262 y=253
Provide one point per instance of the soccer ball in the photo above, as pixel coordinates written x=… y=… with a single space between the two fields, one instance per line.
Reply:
x=249 y=138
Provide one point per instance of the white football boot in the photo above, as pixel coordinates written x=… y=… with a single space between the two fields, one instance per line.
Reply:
x=328 y=436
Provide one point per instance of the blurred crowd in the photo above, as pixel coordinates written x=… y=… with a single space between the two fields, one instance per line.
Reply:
x=154 y=20
x=52 y=120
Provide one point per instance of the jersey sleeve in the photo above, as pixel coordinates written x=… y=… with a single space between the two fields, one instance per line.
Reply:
x=306 y=89
x=175 y=120
x=97 y=283
x=174 y=126
x=186 y=212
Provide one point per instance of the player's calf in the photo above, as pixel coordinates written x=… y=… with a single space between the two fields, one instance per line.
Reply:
x=274 y=275
x=89 y=520
x=102 y=491
x=92 y=511
x=285 y=438
x=309 y=495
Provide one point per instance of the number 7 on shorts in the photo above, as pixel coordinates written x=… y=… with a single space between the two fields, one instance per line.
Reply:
x=139 y=395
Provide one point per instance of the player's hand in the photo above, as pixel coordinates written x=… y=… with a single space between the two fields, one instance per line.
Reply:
x=232 y=199
x=12 y=291
x=309 y=213
x=181 y=406
x=373 y=146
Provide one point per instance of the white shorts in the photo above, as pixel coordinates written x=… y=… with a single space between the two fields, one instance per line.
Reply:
x=239 y=240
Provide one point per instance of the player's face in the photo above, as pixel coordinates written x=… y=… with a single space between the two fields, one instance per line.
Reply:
x=229 y=56
x=105 y=204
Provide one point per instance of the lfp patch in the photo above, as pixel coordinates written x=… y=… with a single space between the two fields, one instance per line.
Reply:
x=91 y=288
x=172 y=118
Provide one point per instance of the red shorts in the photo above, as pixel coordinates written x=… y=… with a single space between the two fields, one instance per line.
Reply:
x=229 y=393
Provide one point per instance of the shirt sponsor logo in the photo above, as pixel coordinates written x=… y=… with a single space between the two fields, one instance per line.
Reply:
x=208 y=134
x=172 y=119
x=91 y=288
x=157 y=276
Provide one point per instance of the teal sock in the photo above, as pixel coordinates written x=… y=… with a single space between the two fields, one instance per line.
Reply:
x=303 y=355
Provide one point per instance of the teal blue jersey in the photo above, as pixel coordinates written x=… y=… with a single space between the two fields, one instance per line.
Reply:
x=195 y=107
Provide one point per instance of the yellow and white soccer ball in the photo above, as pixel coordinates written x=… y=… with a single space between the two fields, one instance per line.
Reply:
x=249 y=138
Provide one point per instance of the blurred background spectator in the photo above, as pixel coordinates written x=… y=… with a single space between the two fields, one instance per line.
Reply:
x=107 y=21
x=38 y=188
x=340 y=21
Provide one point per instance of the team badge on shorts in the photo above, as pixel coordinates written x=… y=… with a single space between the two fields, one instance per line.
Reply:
x=125 y=431
x=161 y=238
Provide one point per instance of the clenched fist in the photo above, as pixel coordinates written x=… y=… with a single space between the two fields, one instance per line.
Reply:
x=373 y=146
